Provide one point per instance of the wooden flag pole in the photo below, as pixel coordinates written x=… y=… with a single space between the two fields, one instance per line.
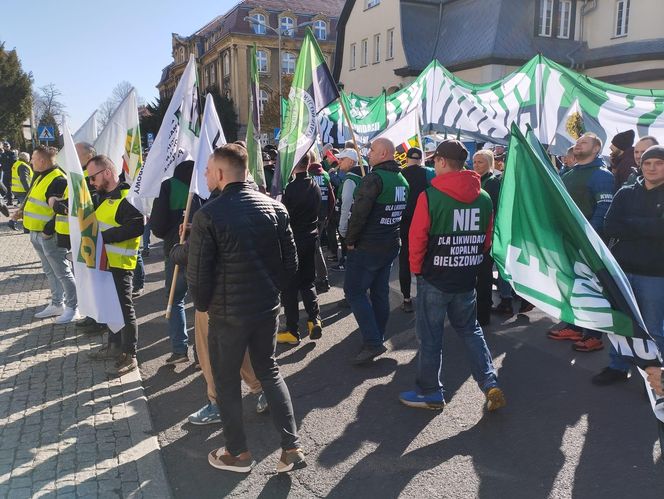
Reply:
x=176 y=269
x=352 y=135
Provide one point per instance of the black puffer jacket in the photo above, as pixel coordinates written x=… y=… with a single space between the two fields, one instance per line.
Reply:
x=241 y=252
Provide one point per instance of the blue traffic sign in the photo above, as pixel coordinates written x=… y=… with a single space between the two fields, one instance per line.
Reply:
x=46 y=133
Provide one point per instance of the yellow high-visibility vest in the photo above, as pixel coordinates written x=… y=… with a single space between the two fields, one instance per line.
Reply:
x=17 y=186
x=37 y=213
x=62 y=221
x=122 y=255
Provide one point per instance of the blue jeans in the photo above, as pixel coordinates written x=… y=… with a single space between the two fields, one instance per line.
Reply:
x=139 y=273
x=431 y=307
x=369 y=271
x=57 y=269
x=177 y=324
x=649 y=293
x=504 y=288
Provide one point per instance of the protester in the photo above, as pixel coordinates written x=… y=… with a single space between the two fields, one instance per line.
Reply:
x=568 y=161
x=417 y=177
x=240 y=255
x=21 y=180
x=453 y=206
x=636 y=221
x=166 y=217
x=639 y=148
x=7 y=159
x=39 y=218
x=499 y=153
x=302 y=199
x=372 y=240
x=121 y=226
x=348 y=164
x=622 y=157
x=483 y=164
x=328 y=200
x=590 y=186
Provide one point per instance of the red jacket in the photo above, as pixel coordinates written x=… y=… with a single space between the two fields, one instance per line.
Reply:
x=464 y=186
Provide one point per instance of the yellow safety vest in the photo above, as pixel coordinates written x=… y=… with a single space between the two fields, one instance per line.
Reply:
x=62 y=221
x=122 y=255
x=37 y=213
x=17 y=186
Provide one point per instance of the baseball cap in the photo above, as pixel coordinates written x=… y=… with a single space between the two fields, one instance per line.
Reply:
x=452 y=149
x=348 y=153
x=414 y=153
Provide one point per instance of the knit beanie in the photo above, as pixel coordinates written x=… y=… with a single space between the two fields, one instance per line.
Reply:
x=653 y=152
x=623 y=140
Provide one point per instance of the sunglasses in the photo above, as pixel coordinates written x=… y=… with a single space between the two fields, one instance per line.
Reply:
x=92 y=177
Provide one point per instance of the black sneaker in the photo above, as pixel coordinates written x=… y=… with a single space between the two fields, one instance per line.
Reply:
x=12 y=225
x=368 y=354
x=322 y=286
x=136 y=292
x=177 y=358
x=407 y=306
x=609 y=376
x=504 y=307
x=3 y=209
x=340 y=267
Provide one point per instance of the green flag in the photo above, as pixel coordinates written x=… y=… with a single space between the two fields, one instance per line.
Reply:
x=550 y=254
x=253 y=138
x=312 y=90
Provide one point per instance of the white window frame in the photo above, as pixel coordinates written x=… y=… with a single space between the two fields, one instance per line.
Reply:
x=287 y=30
x=263 y=99
x=376 y=50
x=259 y=29
x=368 y=4
x=320 y=26
x=389 y=50
x=546 y=18
x=364 y=52
x=284 y=56
x=266 y=67
x=353 y=55
x=565 y=19
x=226 y=64
x=622 y=18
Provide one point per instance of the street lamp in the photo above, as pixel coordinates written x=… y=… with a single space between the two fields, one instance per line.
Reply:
x=279 y=32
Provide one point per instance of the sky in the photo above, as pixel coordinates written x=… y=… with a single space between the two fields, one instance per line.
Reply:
x=86 y=47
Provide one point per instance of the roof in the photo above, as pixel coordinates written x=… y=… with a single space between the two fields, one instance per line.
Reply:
x=330 y=8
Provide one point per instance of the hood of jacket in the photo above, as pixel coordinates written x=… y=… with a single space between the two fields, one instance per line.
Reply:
x=595 y=163
x=390 y=165
x=183 y=171
x=464 y=185
x=316 y=169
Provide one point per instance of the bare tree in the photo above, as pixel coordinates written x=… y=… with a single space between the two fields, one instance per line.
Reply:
x=48 y=104
x=119 y=92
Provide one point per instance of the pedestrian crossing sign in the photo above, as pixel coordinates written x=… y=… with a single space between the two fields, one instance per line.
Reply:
x=45 y=133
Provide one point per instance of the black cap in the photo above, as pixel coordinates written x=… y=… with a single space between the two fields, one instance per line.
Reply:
x=452 y=149
x=653 y=152
x=414 y=153
x=623 y=140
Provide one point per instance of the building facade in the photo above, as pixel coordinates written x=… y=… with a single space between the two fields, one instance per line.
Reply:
x=222 y=47
x=385 y=44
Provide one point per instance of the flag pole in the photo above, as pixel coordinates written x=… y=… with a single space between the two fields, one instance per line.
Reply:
x=176 y=269
x=352 y=135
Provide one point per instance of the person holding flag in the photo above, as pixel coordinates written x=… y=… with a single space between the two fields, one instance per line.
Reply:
x=121 y=227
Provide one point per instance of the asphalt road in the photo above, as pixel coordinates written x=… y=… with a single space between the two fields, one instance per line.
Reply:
x=559 y=436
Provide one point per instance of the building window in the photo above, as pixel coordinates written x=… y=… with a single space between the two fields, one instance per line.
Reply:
x=261 y=61
x=259 y=25
x=545 y=17
x=288 y=63
x=213 y=73
x=287 y=26
x=376 y=50
x=320 y=30
x=180 y=56
x=365 y=52
x=353 y=51
x=389 y=54
x=370 y=3
x=226 y=62
x=263 y=97
x=565 y=18
x=622 y=17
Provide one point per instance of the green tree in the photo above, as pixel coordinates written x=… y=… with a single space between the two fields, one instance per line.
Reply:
x=271 y=117
x=226 y=111
x=15 y=96
x=150 y=119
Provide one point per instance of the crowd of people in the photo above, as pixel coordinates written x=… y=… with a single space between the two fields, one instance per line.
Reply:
x=247 y=256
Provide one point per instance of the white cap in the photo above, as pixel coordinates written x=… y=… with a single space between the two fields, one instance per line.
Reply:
x=348 y=153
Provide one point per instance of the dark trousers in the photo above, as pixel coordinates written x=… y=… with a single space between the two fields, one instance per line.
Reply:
x=302 y=283
x=7 y=182
x=404 y=265
x=332 y=226
x=227 y=344
x=483 y=287
x=127 y=337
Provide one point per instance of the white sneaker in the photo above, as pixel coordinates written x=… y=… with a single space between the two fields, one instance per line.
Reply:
x=50 y=311
x=69 y=315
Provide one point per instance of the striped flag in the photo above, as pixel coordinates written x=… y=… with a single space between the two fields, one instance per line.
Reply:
x=253 y=138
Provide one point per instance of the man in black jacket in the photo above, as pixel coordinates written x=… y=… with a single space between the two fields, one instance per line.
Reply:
x=373 y=244
x=636 y=221
x=241 y=252
x=7 y=159
x=302 y=199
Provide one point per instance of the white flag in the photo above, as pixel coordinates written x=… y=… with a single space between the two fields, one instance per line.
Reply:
x=88 y=131
x=97 y=296
x=404 y=134
x=569 y=129
x=120 y=139
x=176 y=140
x=212 y=136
